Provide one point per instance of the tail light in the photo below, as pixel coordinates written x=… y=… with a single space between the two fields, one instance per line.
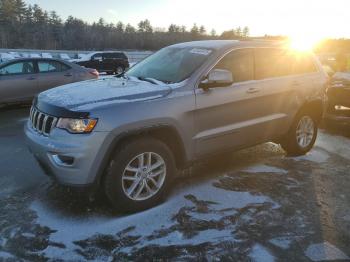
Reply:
x=94 y=72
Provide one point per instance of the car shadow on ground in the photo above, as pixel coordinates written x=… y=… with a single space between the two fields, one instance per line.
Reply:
x=77 y=203
x=337 y=128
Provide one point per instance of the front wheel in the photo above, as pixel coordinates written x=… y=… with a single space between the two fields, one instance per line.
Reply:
x=139 y=175
x=302 y=135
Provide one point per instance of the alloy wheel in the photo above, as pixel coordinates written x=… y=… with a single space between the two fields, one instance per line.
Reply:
x=144 y=176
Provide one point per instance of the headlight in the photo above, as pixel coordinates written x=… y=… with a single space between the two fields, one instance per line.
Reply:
x=77 y=126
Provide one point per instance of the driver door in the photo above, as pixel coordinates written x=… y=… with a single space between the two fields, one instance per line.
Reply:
x=230 y=117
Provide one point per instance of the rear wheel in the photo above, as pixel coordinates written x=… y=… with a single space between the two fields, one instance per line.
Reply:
x=302 y=135
x=139 y=175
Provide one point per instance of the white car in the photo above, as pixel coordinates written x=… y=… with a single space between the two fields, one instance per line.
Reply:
x=46 y=55
x=65 y=57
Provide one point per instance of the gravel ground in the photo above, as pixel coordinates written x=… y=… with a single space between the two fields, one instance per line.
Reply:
x=252 y=205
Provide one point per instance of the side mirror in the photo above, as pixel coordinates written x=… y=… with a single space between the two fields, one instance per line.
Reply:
x=217 y=78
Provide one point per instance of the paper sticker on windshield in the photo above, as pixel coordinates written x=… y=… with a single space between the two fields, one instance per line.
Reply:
x=199 y=51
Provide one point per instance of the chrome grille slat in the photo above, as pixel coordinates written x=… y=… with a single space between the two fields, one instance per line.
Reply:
x=43 y=127
x=41 y=122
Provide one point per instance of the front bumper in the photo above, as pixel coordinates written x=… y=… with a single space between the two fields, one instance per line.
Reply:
x=82 y=155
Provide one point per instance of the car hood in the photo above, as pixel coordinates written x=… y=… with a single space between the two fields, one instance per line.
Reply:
x=85 y=95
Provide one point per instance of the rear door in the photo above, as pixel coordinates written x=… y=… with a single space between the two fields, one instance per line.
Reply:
x=109 y=62
x=52 y=73
x=18 y=82
x=280 y=86
x=230 y=117
x=287 y=80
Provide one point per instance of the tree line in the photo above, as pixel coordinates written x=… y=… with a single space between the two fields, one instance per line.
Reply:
x=31 y=27
x=26 y=26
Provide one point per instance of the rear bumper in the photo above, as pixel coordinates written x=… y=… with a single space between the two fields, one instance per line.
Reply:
x=81 y=154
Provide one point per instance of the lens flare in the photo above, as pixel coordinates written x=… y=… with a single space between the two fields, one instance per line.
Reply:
x=303 y=43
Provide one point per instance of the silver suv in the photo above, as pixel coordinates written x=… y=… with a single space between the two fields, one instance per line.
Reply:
x=131 y=133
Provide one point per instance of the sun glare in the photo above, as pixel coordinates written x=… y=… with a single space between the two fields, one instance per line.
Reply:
x=303 y=43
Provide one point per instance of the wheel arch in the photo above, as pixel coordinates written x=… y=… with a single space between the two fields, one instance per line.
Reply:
x=315 y=107
x=165 y=133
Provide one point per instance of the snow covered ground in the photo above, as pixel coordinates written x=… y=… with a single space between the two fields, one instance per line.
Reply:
x=252 y=205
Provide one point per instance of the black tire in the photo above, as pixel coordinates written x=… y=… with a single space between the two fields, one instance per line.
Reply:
x=290 y=144
x=113 y=183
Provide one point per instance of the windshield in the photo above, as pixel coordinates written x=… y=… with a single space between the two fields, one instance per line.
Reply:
x=171 y=64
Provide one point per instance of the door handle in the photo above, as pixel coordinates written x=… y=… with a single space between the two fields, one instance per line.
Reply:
x=253 y=90
x=31 y=78
x=68 y=75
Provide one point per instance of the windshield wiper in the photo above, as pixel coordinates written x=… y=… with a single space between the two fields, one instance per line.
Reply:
x=122 y=75
x=150 y=80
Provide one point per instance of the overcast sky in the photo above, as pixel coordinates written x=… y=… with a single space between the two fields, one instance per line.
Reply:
x=288 y=17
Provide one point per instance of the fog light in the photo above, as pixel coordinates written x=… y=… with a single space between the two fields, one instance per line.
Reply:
x=61 y=160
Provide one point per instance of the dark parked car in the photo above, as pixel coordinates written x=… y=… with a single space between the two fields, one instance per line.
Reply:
x=108 y=62
x=338 y=98
x=22 y=79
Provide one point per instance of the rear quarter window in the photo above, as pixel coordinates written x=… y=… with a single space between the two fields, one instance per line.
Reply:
x=270 y=63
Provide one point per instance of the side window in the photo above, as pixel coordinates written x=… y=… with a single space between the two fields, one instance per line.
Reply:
x=120 y=56
x=20 y=68
x=51 y=67
x=273 y=63
x=108 y=56
x=304 y=64
x=97 y=57
x=240 y=63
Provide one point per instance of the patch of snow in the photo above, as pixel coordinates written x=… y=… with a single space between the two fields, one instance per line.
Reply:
x=73 y=229
x=335 y=144
x=315 y=155
x=325 y=251
x=29 y=235
x=281 y=242
x=265 y=169
x=102 y=90
x=5 y=255
x=261 y=254
x=120 y=101
x=342 y=75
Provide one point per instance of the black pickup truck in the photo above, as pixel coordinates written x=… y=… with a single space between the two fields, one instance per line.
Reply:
x=338 y=97
x=108 y=62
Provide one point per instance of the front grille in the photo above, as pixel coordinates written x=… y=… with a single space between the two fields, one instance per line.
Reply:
x=41 y=122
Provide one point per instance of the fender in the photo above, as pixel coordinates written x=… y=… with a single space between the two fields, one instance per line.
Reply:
x=154 y=130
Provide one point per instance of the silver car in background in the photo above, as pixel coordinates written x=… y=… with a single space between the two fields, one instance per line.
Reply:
x=22 y=79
